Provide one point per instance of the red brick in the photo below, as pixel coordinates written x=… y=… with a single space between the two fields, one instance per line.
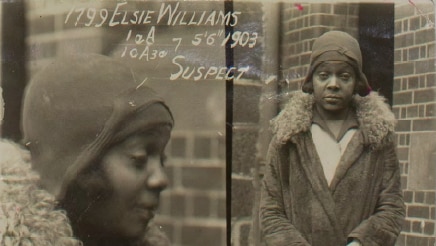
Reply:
x=201 y=205
x=430 y=198
x=244 y=145
x=407 y=139
x=178 y=205
x=340 y=9
x=398 y=26
x=403 y=168
x=403 y=153
x=203 y=178
x=418 y=212
x=424 y=36
x=401 y=98
x=412 y=111
x=202 y=235
x=416 y=227
x=430 y=110
x=415 y=23
x=408 y=196
x=413 y=53
x=421 y=110
x=402 y=139
x=431 y=80
x=413 y=83
x=403 y=113
x=424 y=125
x=403 y=182
x=320 y=8
x=429 y=228
x=396 y=112
x=423 y=96
x=405 y=68
x=242 y=198
x=403 y=126
x=416 y=240
x=245 y=234
x=432 y=241
x=397 y=56
x=424 y=66
x=406 y=226
x=422 y=81
x=419 y=196
x=423 y=52
x=222 y=208
x=432 y=213
x=403 y=40
x=405 y=55
x=431 y=50
x=397 y=84
x=401 y=240
x=246 y=103
x=404 y=11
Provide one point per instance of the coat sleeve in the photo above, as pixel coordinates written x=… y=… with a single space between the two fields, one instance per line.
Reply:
x=276 y=227
x=384 y=226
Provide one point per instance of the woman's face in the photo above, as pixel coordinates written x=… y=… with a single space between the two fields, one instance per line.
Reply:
x=134 y=170
x=333 y=87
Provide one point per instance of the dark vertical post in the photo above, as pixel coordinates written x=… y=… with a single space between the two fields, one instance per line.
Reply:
x=376 y=38
x=228 y=7
x=13 y=77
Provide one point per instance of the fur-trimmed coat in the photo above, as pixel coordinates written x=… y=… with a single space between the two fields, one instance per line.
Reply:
x=28 y=216
x=364 y=199
x=27 y=213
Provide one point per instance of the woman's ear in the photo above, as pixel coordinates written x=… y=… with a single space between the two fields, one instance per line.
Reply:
x=360 y=88
x=308 y=86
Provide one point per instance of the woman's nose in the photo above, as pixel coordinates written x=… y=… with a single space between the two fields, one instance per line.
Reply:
x=333 y=83
x=157 y=178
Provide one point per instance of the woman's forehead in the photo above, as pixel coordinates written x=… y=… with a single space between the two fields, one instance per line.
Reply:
x=335 y=65
x=158 y=133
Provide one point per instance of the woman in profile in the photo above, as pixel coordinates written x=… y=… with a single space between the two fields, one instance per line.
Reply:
x=97 y=138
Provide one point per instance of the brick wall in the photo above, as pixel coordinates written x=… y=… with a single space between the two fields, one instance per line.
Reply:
x=193 y=208
x=414 y=107
x=246 y=96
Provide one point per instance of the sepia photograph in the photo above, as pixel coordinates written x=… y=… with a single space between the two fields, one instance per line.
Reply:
x=224 y=122
x=333 y=142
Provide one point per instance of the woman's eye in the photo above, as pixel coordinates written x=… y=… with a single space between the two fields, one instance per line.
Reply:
x=323 y=76
x=139 y=161
x=345 y=76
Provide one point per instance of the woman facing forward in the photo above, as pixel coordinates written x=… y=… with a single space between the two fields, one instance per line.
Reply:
x=332 y=176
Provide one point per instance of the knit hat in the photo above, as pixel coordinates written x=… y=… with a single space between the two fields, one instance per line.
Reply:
x=337 y=46
x=78 y=107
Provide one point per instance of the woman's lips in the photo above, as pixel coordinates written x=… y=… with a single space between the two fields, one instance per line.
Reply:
x=332 y=99
x=145 y=213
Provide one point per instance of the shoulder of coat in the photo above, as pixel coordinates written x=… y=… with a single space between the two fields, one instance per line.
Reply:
x=376 y=120
x=295 y=117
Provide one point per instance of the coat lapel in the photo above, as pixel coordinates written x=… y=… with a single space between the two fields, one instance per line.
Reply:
x=352 y=152
x=312 y=167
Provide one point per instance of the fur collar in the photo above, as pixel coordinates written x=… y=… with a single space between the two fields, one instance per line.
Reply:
x=376 y=120
x=27 y=213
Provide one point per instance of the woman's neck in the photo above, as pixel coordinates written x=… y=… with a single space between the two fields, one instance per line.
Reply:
x=339 y=115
